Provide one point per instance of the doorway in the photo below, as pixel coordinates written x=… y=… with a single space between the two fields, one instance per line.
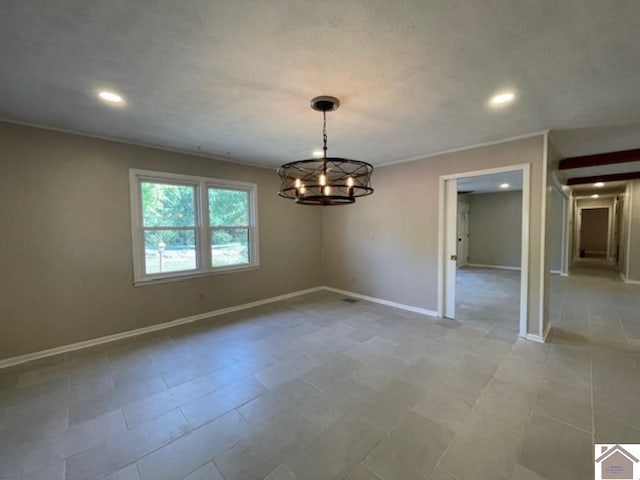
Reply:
x=595 y=232
x=456 y=253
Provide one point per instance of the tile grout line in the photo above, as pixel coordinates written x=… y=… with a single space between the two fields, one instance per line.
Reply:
x=160 y=447
x=191 y=429
x=369 y=453
x=533 y=407
x=565 y=423
x=455 y=434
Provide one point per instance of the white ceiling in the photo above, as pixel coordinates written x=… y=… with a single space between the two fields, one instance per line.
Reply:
x=234 y=78
x=491 y=183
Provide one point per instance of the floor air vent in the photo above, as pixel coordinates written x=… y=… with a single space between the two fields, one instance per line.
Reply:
x=350 y=300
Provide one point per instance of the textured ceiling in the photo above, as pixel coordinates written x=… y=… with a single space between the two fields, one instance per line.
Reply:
x=233 y=78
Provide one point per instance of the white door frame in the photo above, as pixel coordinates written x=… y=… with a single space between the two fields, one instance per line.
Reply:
x=446 y=297
x=566 y=220
x=609 y=229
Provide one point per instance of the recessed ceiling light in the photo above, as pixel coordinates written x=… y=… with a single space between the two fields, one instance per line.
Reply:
x=598 y=184
x=318 y=154
x=110 y=97
x=595 y=195
x=502 y=99
x=504 y=185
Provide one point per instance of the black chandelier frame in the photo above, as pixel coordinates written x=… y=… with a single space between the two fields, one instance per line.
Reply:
x=328 y=180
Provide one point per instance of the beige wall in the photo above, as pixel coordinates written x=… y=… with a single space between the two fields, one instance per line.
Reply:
x=386 y=245
x=65 y=242
x=495 y=229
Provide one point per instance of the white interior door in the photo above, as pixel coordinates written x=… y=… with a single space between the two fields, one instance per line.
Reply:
x=463 y=234
x=450 y=246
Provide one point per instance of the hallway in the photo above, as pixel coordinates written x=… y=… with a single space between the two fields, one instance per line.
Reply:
x=594 y=356
x=595 y=304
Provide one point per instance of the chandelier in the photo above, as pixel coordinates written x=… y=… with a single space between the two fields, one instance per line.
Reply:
x=326 y=180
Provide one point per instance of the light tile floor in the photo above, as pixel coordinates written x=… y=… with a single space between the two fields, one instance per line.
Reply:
x=488 y=297
x=318 y=388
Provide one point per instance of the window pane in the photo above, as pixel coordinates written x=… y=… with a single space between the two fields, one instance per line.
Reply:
x=228 y=208
x=229 y=246
x=167 y=205
x=169 y=250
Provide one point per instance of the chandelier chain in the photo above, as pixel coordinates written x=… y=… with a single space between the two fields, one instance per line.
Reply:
x=324 y=133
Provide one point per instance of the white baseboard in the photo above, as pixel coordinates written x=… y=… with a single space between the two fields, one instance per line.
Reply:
x=12 y=361
x=628 y=280
x=8 y=362
x=537 y=338
x=556 y=272
x=499 y=267
x=534 y=338
x=389 y=303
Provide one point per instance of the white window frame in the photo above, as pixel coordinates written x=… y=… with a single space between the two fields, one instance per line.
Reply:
x=202 y=227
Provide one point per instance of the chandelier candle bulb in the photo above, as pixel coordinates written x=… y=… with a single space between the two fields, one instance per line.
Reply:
x=329 y=180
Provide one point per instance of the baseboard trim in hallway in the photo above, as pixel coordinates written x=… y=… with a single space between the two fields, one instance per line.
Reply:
x=627 y=280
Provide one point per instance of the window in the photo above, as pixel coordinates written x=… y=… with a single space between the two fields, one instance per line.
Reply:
x=185 y=226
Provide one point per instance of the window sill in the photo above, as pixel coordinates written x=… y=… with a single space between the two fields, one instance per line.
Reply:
x=189 y=275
